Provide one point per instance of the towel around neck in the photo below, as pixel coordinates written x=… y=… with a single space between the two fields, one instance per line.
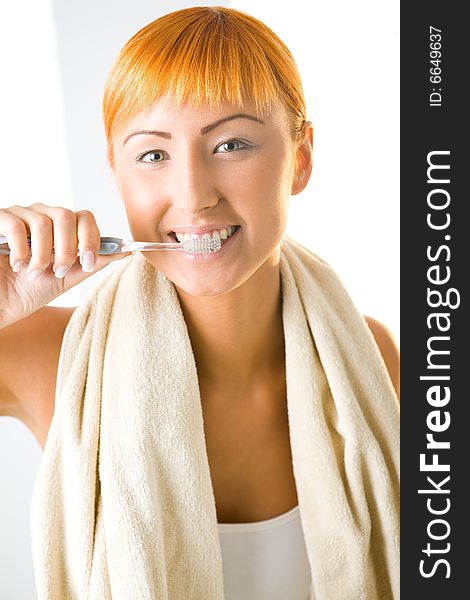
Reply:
x=123 y=505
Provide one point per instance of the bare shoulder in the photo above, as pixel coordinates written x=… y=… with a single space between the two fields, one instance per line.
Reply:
x=29 y=355
x=388 y=348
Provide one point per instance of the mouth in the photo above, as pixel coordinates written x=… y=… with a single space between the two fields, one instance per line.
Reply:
x=222 y=234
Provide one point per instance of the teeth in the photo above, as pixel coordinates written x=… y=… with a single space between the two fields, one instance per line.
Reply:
x=221 y=234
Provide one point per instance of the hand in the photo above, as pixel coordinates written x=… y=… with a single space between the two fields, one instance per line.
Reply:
x=31 y=278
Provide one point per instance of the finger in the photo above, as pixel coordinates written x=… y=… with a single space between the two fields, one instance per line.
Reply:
x=14 y=229
x=40 y=230
x=65 y=243
x=88 y=239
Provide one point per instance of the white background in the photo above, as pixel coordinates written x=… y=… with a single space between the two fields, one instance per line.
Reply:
x=54 y=58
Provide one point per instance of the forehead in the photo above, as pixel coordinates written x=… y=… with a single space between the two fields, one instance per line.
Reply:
x=165 y=115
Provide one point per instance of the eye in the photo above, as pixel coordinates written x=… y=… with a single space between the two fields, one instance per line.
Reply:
x=158 y=153
x=231 y=145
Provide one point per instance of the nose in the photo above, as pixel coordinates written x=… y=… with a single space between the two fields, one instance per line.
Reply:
x=193 y=187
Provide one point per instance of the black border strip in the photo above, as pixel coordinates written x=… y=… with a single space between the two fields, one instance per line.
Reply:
x=434 y=270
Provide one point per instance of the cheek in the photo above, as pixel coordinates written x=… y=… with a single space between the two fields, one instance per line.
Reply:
x=266 y=190
x=143 y=211
x=267 y=173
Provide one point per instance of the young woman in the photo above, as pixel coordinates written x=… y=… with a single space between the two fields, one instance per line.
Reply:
x=207 y=134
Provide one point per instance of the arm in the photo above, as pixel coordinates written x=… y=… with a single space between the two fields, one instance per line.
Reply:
x=389 y=350
x=29 y=350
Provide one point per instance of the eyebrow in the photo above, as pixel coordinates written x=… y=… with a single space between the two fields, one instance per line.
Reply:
x=204 y=130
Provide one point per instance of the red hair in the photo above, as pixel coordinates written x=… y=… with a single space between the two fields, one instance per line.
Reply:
x=202 y=56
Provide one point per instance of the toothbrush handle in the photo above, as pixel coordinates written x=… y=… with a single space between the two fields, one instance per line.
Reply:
x=110 y=245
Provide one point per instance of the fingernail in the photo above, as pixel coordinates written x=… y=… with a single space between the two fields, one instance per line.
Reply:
x=88 y=261
x=19 y=264
x=60 y=272
x=33 y=275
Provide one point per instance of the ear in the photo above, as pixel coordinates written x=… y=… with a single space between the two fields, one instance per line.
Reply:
x=303 y=160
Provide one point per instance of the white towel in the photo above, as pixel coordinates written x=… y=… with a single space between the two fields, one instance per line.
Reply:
x=123 y=505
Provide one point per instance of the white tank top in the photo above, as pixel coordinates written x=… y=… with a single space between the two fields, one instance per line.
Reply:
x=266 y=560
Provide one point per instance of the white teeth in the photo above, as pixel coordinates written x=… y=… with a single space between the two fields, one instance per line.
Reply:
x=221 y=234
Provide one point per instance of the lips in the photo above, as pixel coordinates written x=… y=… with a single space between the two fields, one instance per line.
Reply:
x=206 y=259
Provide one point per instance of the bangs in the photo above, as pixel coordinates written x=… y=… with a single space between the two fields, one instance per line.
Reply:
x=201 y=57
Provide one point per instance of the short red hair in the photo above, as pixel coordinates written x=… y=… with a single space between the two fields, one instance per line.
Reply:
x=202 y=56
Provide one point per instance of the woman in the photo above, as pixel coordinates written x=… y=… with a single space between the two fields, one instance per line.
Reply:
x=207 y=133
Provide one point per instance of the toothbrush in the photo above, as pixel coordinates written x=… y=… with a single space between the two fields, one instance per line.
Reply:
x=114 y=245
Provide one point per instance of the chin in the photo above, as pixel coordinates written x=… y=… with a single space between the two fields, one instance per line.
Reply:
x=201 y=288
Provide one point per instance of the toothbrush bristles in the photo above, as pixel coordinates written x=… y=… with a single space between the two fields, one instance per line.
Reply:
x=202 y=245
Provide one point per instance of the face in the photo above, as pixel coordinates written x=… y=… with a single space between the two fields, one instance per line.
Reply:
x=200 y=171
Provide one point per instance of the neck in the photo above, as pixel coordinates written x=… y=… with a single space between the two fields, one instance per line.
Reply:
x=238 y=337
